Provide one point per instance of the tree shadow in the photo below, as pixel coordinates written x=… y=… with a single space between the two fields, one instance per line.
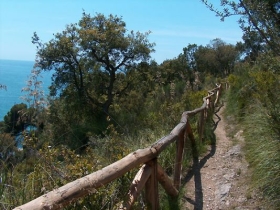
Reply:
x=195 y=171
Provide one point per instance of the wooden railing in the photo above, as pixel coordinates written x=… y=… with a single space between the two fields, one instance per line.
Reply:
x=149 y=175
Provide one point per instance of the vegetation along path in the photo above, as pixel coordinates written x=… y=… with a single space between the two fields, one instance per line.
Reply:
x=219 y=179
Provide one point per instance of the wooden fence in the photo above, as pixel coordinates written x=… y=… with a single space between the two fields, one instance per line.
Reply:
x=148 y=176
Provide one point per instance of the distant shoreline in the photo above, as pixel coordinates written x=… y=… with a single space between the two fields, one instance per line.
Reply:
x=3 y=59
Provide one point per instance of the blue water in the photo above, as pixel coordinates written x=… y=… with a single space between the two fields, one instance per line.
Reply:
x=14 y=75
x=19 y=138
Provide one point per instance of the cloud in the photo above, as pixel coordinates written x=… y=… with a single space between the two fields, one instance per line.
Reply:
x=198 y=34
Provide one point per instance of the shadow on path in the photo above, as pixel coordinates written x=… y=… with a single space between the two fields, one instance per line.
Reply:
x=195 y=172
x=197 y=165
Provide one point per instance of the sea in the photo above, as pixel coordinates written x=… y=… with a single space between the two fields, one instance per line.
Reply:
x=14 y=74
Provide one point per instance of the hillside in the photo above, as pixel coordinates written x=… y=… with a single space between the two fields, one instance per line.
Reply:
x=111 y=106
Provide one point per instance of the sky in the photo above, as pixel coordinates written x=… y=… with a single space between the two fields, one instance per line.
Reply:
x=173 y=23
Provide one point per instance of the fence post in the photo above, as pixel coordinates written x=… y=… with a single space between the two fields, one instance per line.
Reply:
x=151 y=187
x=137 y=185
x=191 y=138
x=179 y=157
x=200 y=126
x=218 y=94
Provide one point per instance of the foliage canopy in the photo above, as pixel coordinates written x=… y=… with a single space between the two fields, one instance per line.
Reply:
x=259 y=20
x=90 y=58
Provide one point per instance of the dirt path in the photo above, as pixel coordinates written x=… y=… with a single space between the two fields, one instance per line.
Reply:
x=218 y=180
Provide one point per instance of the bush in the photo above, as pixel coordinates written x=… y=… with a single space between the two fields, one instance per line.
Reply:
x=263 y=154
x=254 y=99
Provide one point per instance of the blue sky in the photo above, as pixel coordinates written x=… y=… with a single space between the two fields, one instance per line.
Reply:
x=173 y=23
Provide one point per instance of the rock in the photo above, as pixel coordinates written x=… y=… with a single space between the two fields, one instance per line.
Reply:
x=239 y=136
x=234 y=151
x=241 y=199
x=223 y=191
x=229 y=176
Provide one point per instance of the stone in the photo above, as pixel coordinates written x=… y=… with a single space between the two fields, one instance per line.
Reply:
x=223 y=191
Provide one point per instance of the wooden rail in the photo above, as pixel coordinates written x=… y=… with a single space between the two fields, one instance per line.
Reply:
x=147 y=177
